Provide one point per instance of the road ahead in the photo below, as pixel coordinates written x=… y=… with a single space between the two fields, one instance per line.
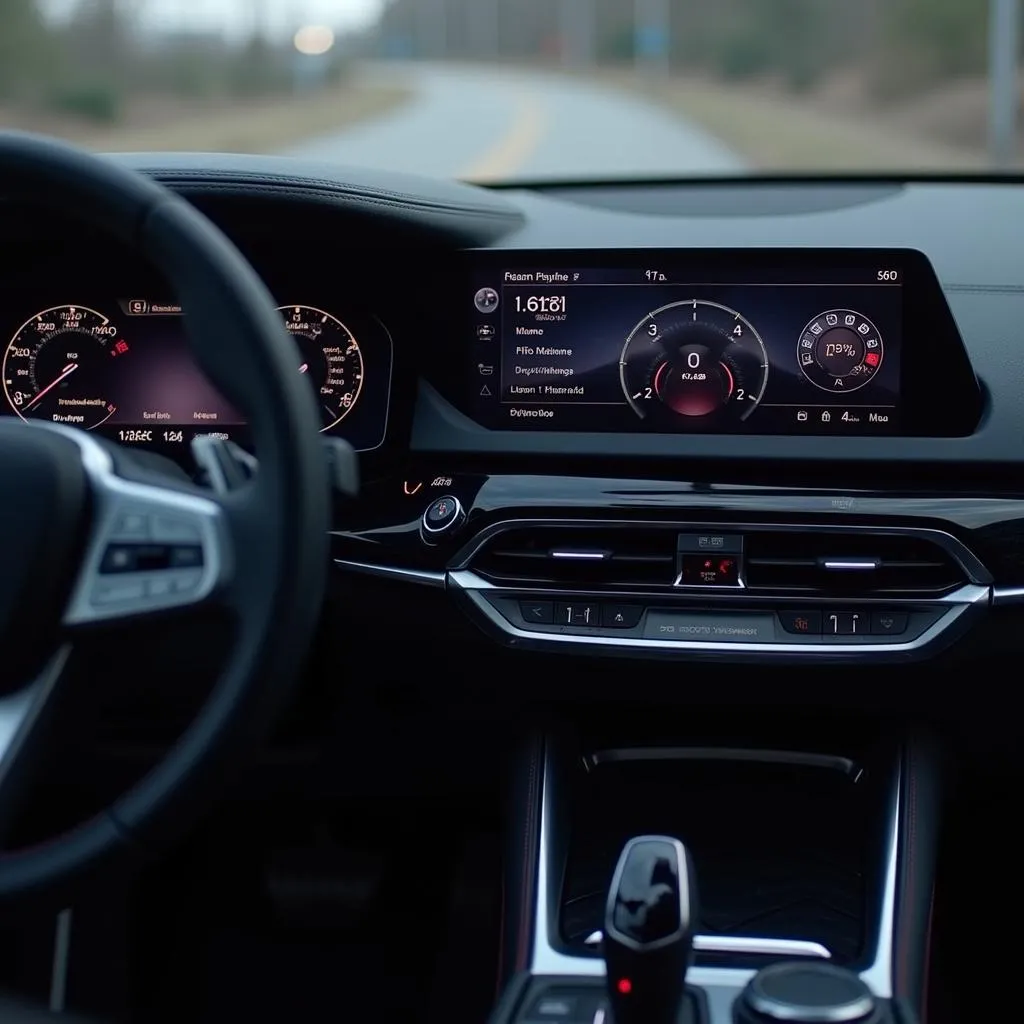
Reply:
x=488 y=124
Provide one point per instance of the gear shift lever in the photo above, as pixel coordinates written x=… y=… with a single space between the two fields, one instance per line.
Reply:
x=648 y=930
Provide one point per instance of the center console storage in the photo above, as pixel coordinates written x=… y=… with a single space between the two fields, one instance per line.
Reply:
x=788 y=845
x=816 y=852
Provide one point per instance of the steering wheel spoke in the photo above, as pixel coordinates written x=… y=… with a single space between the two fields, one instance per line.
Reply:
x=152 y=548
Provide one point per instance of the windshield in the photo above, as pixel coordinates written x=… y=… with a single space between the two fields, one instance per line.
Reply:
x=500 y=90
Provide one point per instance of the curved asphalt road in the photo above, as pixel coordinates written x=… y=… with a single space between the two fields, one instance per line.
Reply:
x=488 y=124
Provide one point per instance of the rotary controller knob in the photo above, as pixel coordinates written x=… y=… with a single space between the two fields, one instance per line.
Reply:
x=442 y=516
x=807 y=993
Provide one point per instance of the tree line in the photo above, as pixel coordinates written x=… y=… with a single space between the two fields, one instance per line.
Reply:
x=899 y=44
x=94 y=64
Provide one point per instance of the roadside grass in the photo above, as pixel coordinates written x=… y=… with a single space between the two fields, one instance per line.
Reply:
x=237 y=127
x=779 y=133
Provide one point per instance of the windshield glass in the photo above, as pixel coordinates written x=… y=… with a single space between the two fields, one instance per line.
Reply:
x=500 y=90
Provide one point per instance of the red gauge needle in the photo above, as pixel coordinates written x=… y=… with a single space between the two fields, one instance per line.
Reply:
x=64 y=374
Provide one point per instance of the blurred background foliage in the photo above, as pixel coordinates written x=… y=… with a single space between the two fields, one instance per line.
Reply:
x=92 y=65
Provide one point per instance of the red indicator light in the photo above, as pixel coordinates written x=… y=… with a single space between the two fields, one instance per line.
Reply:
x=119 y=348
x=871 y=359
x=625 y=986
x=725 y=567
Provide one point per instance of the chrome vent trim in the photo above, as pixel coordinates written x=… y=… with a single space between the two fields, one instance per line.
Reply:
x=643 y=560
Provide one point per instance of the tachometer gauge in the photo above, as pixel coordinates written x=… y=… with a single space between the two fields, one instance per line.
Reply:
x=693 y=363
x=840 y=350
x=58 y=367
x=331 y=360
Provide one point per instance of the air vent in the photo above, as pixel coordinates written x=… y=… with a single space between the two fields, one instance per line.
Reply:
x=846 y=564
x=580 y=556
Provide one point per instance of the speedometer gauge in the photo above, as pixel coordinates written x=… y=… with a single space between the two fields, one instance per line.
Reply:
x=693 y=364
x=331 y=360
x=57 y=367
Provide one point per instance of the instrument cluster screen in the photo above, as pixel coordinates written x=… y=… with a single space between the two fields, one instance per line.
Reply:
x=124 y=369
x=674 y=343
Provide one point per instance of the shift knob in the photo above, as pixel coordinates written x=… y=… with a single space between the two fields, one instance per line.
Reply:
x=648 y=930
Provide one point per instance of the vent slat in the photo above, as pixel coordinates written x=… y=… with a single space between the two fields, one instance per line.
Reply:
x=629 y=558
x=803 y=562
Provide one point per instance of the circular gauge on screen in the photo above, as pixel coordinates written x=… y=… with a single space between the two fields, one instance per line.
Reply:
x=840 y=350
x=331 y=360
x=693 y=362
x=60 y=366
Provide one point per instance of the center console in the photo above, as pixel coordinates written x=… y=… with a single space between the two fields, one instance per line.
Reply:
x=805 y=894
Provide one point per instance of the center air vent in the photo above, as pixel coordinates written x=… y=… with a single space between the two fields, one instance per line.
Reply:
x=580 y=556
x=849 y=564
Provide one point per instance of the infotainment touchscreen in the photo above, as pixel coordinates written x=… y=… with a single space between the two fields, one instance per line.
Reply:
x=689 y=343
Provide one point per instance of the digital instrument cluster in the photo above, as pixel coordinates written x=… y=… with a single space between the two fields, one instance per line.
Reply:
x=674 y=343
x=124 y=369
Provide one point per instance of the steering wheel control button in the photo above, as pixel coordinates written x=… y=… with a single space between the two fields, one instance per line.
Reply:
x=443 y=516
x=132 y=526
x=186 y=556
x=538 y=613
x=711 y=627
x=168 y=530
x=118 y=591
x=801 y=623
x=847 y=623
x=185 y=581
x=621 y=616
x=118 y=558
x=582 y=613
x=889 y=623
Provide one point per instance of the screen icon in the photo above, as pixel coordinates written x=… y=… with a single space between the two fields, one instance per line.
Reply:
x=485 y=332
x=486 y=300
x=138 y=307
x=801 y=416
x=485 y=369
x=485 y=392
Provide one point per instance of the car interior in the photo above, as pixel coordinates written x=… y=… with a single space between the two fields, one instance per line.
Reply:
x=534 y=603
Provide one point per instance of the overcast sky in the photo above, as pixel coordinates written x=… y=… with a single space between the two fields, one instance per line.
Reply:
x=238 y=16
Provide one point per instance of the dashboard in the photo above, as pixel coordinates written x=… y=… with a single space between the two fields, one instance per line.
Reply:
x=730 y=420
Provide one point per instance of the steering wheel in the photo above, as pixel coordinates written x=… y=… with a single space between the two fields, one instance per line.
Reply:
x=89 y=537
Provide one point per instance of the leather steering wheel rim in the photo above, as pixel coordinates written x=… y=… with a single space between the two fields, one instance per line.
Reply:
x=278 y=522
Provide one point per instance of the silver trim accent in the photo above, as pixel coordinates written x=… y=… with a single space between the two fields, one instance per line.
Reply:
x=424 y=577
x=115 y=498
x=742 y=944
x=878 y=977
x=581 y=556
x=1002 y=596
x=831 y=762
x=61 y=955
x=964 y=557
x=958 y=603
x=722 y=984
x=851 y=565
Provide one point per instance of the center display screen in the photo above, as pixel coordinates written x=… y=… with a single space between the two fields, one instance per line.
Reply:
x=674 y=343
